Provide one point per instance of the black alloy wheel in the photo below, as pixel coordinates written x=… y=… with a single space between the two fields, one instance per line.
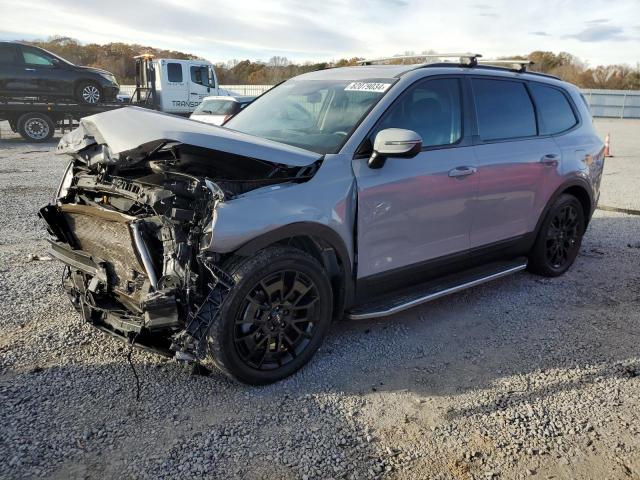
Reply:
x=559 y=238
x=275 y=317
x=563 y=236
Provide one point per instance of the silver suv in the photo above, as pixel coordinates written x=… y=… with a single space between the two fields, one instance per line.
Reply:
x=350 y=192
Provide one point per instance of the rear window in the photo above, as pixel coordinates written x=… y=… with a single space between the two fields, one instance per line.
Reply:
x=504 y=109
x=174 y=72
x=217 y=107
x=7 y=54
x=554 y=111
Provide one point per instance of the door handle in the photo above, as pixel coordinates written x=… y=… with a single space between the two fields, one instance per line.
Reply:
x=29 y=69
x=550 y=159
x=193 y=93
x=462 y=171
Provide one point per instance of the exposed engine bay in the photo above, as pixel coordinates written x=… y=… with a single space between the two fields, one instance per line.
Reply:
x=134 y=231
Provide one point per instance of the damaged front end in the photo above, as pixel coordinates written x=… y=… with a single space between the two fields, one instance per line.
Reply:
x=133 y=224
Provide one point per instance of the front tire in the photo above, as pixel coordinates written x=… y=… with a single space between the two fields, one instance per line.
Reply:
x=559 y=238
x=274 y=318
x=88 y=93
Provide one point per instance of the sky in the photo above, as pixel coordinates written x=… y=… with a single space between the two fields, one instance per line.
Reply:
x=599 y=32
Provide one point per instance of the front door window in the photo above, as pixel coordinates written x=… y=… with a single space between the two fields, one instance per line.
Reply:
x=32 y=56
x=432 y=109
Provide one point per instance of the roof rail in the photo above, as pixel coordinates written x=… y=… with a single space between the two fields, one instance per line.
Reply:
x=522 y=64
x=467 y=59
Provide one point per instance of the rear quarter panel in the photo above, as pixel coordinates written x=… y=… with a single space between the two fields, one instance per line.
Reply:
x=582 y=149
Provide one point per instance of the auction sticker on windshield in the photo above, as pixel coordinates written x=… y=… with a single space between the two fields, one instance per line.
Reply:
x=367 y=87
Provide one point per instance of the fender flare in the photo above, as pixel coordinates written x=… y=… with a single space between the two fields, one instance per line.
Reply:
x=315 y=230
x=573 y=182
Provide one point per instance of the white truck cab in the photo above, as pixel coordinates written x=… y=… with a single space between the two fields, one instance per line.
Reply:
x=177 y=86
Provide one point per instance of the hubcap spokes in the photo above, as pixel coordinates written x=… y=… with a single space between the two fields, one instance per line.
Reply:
x=37 y=129
x=90 y=94
x=562 y=236
x=277 y=320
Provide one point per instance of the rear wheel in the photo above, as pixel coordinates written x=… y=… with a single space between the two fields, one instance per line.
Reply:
x=89 y=93
x=559 y=238
x=36 y=127
x=274 y=319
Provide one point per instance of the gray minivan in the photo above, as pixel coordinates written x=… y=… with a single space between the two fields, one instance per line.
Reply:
x=351 y=192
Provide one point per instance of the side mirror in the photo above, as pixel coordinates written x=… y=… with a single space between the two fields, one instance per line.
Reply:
x=56 y=63
x=394 y=142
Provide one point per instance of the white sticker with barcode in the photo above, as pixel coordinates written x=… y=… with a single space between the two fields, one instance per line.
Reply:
x=367 y=87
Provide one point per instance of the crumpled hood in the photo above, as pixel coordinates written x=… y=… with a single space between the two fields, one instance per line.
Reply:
x=135 y=131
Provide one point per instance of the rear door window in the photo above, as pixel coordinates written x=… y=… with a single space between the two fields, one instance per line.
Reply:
x=174 y=72
x=554 y=111
x=7 y=54
x=217 y=107
x=504 y=109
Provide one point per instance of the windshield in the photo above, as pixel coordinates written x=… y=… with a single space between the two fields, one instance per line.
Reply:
x=316 y=115
x=59 y=58
x=216 y=107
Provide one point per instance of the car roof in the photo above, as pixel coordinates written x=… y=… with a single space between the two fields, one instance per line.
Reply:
x=358 y=73
x=14 y=42
x=397 y=71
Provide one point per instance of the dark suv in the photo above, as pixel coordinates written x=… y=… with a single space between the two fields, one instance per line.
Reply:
x=27 y=71
x=357 y=192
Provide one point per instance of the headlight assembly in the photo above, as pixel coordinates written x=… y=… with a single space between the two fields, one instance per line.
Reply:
x=63 y=188
x=108 y=78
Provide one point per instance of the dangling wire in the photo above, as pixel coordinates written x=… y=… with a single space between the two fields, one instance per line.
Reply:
x=133 y=368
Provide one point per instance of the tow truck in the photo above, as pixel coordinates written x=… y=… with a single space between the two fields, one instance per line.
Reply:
x=174 y=86
x=168 y=85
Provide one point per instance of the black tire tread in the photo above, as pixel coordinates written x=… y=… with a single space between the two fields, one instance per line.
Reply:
x=23 y=119
x=537 y=256
x=241 y=270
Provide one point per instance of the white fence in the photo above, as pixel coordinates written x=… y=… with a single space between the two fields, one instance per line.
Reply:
x=252 y=90
x=240 y=90
x=603 y=103
x=613 y=103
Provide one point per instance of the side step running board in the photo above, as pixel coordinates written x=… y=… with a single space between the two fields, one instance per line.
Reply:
x=432 y=291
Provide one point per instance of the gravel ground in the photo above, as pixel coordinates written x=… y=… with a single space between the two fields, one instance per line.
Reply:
x=522 y=378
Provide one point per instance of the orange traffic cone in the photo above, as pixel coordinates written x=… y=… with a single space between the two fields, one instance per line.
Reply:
x=607 y=140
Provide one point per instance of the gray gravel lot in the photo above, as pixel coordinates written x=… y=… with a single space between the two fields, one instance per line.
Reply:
x=522 y=378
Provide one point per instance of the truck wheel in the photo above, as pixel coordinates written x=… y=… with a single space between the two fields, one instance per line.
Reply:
x=559 y=238
x=88 y=93
x=36 y=127
x=274 y=318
